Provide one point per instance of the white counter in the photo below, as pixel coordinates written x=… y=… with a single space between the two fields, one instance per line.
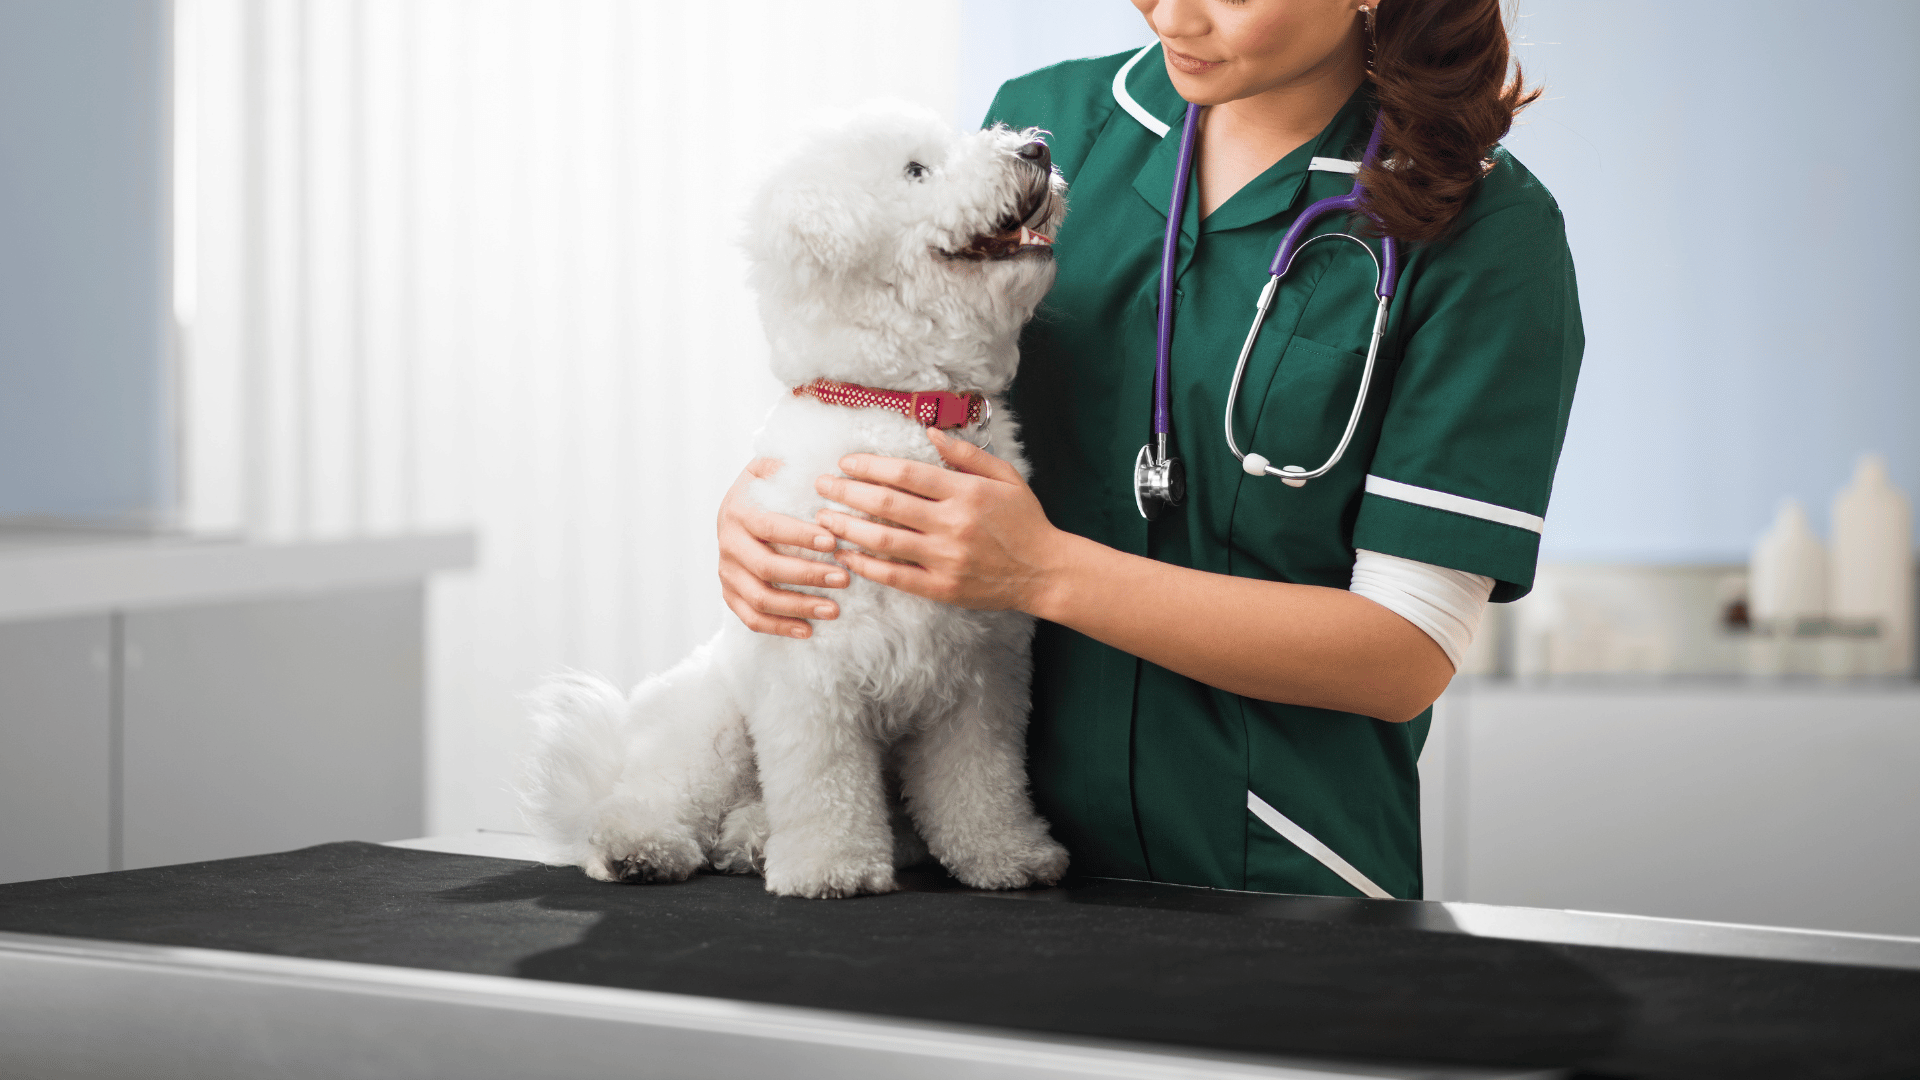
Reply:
x=46 y=574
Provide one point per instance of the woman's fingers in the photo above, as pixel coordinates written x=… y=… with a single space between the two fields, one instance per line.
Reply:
x=769 y=600
x=771 y=528
x=880 y=539
x=926 y=481
x=775 y=570
x=761 y=623
x=739 y=547
x=968 y=458
x=767 y=610
x=902 y=576
x=894 y=489
x=888 y=504
x=751 y=570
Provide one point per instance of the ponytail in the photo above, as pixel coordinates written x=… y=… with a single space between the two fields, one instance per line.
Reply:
x=1440 y=74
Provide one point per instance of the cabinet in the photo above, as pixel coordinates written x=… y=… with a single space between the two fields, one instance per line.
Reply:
x=1778 y=803
x=267 y=725
x=226 y=702
x=56 y=738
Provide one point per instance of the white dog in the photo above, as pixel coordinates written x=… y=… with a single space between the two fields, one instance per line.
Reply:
x=889 y=254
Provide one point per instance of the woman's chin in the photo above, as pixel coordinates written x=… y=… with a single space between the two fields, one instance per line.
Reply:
x=1213 y=88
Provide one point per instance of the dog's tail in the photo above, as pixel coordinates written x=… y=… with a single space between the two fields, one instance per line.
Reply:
x=579 y=751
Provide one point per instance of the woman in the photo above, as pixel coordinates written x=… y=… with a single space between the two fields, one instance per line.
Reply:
x=1236 y=693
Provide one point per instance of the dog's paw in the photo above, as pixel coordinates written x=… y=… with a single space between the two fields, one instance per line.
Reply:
x=1019 y=864
x=658 y=858
x=742 y=846
x=827 y=879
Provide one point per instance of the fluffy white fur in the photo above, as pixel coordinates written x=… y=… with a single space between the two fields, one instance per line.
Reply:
x=797 y=757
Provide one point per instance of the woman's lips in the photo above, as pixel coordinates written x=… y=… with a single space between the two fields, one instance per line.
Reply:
x=1192 y=65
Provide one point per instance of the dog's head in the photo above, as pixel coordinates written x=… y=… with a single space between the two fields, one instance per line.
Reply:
x=893 y=251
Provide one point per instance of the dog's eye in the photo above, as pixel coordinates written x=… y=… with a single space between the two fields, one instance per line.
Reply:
x=916 y=171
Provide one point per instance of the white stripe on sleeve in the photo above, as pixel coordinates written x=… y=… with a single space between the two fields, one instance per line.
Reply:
x=1459 y=504
x=1446 y=604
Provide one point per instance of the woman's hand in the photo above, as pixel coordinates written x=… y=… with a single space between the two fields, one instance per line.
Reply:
x=973 y=536
x=751 y=571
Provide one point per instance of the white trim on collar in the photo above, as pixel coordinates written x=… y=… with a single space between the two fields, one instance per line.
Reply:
x=1153 y=123
x=1161 y=127
x=1458 y=504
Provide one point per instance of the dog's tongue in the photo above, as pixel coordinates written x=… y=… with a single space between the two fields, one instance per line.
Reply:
x=1029 y=238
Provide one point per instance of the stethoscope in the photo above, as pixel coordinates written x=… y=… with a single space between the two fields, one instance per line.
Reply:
x=1159 y=481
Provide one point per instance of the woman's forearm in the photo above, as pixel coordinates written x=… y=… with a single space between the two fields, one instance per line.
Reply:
x=973 y=534
x=1299 y=644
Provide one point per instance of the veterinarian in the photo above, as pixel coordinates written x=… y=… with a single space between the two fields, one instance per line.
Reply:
x=1236 y=693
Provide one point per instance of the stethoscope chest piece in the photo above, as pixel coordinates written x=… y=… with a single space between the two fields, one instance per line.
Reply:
x=1159 y=482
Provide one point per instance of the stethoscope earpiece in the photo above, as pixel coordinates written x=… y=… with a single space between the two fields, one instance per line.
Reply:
x=1290 y=475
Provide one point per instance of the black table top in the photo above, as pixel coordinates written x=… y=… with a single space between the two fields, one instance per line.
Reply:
x=1148 y=963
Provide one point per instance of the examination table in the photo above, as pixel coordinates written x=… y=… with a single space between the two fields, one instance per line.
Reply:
x=355 y=959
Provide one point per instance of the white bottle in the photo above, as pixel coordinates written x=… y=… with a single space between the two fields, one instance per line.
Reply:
x=1788 y=581
x=1872 y=570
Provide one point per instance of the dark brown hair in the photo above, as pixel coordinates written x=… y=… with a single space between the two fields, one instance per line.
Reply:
x=1440 y=73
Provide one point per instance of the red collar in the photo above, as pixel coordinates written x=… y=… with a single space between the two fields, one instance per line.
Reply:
x=929 y=408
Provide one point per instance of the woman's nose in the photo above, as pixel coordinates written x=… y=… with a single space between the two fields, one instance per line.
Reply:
x=1036 y=152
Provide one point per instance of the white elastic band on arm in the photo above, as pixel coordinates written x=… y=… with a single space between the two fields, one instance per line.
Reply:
x=1447 y=604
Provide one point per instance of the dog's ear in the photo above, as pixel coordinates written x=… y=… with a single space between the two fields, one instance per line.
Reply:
x=801 y=227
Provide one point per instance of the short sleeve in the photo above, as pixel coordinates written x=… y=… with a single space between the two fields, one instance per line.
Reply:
x=1472 y=433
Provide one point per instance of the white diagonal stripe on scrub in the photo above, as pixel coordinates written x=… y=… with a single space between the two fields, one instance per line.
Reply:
x=1153 y=123
x=1459 y=504
x=1311 y=844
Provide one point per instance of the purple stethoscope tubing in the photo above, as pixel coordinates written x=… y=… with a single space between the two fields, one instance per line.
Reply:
x=1296 y=237
x=1387 y=268
x=1169 y=255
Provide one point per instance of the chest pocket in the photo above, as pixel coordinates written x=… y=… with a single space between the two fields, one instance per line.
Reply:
x=1299 y=416
x=1302 y=534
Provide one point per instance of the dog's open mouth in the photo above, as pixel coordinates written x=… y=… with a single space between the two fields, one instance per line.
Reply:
x=1013 y=234
x=1003 y=245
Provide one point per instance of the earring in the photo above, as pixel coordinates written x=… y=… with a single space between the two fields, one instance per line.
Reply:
x=1366 y=10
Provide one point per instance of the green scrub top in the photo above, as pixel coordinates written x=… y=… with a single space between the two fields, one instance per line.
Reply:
x=1145 y=773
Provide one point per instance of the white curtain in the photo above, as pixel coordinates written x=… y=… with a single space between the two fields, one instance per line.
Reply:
x=472 y=263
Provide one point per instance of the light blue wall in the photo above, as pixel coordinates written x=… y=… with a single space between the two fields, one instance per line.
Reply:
x=1003 y=38
x=83 y=258
x=1750 y=315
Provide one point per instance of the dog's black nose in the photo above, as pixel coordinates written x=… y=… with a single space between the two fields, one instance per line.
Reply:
x=1036 y=152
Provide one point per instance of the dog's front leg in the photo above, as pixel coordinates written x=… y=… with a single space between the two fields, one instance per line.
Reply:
x=820 y=776
x=965 y=781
